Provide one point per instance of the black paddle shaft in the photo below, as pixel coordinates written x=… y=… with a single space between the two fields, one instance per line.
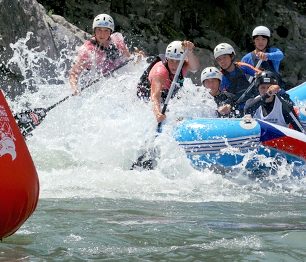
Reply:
x=173 y=84
x=147 y=159
x=289 y=111
x=28 y=120
x=243 y=97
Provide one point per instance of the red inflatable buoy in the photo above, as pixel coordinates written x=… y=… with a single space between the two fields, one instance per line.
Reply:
x=19 y=185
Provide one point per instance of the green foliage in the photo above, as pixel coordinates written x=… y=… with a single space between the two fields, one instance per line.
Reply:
x=170 y=32
x=301 y=6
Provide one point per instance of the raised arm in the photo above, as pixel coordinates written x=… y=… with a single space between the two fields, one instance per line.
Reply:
x=193 y=63
x=75 y=72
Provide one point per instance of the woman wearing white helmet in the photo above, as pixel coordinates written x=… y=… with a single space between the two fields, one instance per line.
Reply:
x=271 y=56
x=161 y=75
x=224 y=49
x=102 y=53
x=211 y=79
x=234 y=76
x=103 y=21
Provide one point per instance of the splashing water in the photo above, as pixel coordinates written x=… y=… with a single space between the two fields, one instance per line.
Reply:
x=85 y=146
x=96 y=207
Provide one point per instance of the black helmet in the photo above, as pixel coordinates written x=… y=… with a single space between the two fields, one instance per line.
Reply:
x=266 y=77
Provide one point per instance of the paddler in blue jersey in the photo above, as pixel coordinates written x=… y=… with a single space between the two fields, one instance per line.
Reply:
x=234 y=78
x=271 y=56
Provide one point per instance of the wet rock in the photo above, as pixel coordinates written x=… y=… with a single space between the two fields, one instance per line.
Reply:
x=150 y=25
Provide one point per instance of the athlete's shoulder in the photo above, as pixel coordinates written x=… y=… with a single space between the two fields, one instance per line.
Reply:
x=88 y=45
x=159 y=70
x=247 y=57
x=85 y=50
x=159 y=66
x=273 y=49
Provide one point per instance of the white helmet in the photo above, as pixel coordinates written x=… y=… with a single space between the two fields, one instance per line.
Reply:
x=223 y=49
x=261 y=30
x=103 y=20
x=174 y=50
x=209 y=73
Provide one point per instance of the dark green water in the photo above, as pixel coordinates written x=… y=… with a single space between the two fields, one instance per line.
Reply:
x=93 y=208
x=270 y=228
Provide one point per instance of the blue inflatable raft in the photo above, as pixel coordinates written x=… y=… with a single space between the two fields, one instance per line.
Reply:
x=225 y=141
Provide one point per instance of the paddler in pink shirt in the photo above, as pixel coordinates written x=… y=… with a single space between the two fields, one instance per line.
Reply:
x=162 y=73
x=101 y=54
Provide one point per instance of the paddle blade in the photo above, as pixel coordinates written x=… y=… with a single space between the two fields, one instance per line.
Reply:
x=28 y=120
x=147 y=160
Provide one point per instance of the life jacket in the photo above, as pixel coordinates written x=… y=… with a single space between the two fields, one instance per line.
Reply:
x=265 y=65
x=238 y=85
x=99 y=60
x=275 y=116
x=224 y=98
x=268 y=66
x=238 y=81
x=144 y=85
x=111 y=52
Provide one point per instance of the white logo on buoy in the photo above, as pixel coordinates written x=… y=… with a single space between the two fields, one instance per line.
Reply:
x=247 y=122
x=7 y=145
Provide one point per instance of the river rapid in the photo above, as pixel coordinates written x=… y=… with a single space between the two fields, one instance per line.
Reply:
x=93 y=207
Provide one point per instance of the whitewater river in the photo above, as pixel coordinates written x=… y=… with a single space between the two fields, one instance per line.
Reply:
x=93 y=207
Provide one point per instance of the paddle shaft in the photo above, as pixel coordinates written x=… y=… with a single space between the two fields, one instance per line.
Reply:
x=289 y=110
x=174 y=82
x=257 y=66
x=29 y=119
x=65 y=98
x=85 y=87
x=147 y=159
x=245 y=93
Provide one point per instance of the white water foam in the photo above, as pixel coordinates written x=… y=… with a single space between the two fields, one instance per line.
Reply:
x=86 y=146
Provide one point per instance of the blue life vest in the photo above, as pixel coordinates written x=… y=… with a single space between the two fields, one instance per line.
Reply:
x=268 y=66
x=238 y=81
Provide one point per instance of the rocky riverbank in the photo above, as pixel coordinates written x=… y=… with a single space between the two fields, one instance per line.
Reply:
x=149 y=25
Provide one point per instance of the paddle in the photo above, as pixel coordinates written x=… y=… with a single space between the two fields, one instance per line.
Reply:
x=247 y=91
x=284 y=104
x=289 y=111
x=29 y=119
x=173 y=84
x=147 y=159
